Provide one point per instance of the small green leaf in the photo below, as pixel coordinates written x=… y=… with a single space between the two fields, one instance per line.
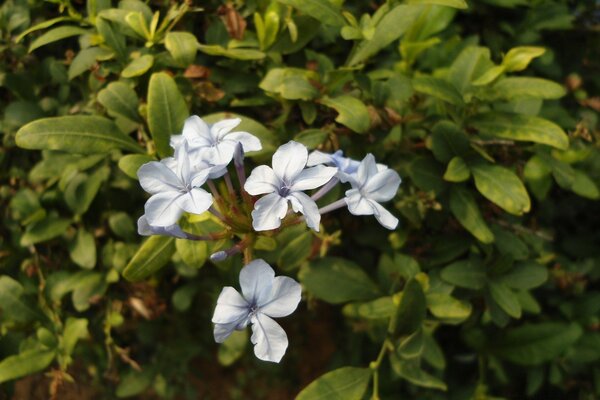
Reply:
x=322 y=10
x=192 y=252
x=465 y=209
x=296 y=251
x=468 y=274
x=130 y=163
x=82 y=249
x=85 y=59
x=74 y=330
x=427 y=174
x=346 y=383
x=448 y=309
x=311 y=138
x=337 y=280
x=11 y=304
x=352 y=112
x=412 y=346
x=412 y=309
x=518 y=58
x=412 y=372
x=134 y=383
x=75 y=134
x=448 y=141
x=290 y=83
x=25 y=363
x=502 y=187
x=237 y=54
x=45 y=229
x=233 y=348
x=461 y=4
x=526 y=275
x=154 y=254
x=525 y=87
x=505 y=298
x=167 y=111
x=138 y=66
x=382 y=307
x=82 y=189
x=585 y=186
x=438 y=88
x=56 y=34
x=182 y=46
x=120 y=99
x=457 y=170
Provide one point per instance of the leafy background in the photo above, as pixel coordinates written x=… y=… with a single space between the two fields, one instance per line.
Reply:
x=488 y=110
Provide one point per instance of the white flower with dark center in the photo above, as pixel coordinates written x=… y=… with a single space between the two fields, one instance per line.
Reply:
x=263 y=297
x=215 y=143
x=175 y=189
x=285 y=182
x=370 y=186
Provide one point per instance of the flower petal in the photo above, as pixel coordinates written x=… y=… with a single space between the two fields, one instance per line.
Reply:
x=222 y=331
x=156 y=177
x=231 y=307
x=285 y=296
x=312 y=178
x=256 y=281
x=248 y=141
x=269 y=338
x=218 y=130
x=289 y=160
x=182 y=166
x=357 y=203
x=145 y=229
x=197 y=132
x=262 y=180
x=302 y=203
x=219 y=154
x=268 y=212
x=383 y=186
x=318 y=157
x=385 y=218
x=366 y=169
x=162 y=210
x=196 y=201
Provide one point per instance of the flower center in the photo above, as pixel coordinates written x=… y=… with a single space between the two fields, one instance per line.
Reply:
x=284 y=191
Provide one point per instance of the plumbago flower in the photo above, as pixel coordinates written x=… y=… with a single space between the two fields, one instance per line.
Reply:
x=285 y=182
x=370 y=186
x=263 y=297
x=215 y=143
x=346 y=166
x=175 y=189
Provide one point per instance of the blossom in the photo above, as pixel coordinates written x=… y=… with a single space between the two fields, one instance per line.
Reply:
x=285 y=182
x=145 y=229
x=346 y=166
x=263 y=297
x=174 y=188
x=371 y=185
x=215 y=143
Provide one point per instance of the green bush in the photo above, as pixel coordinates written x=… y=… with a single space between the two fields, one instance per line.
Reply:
x=487 y=289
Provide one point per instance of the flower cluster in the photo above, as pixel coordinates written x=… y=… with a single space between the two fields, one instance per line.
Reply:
x=202 y=154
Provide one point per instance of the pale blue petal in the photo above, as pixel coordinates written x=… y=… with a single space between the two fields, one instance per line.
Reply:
x=182 y=166
x=156 y=177
x=219 y=154
x=289 y=160
x=357 y=203
x=366 y=169
x=248 y=141
x=262 y=180
x=385 y=218
x=268 y=212
x=302 y=203
x=383 y=186
x=231 y=307
x=269 y=339
x=256 y=281
x=312 y=178
x=285 y=296
x=145 y=229
x=318 y=157
x=199 y=176
x=219 y=129
x=162 y=210
x=196 y=201
x=222 y=331
x=197 y=132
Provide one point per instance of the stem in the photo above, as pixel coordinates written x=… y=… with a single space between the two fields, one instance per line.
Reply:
x=213 y=190
x=212 y=236
x=229 y=184
x=325 y=189
x=217 y=214
x=333 y=206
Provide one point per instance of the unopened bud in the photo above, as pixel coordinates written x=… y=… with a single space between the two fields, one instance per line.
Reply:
x=219 y=256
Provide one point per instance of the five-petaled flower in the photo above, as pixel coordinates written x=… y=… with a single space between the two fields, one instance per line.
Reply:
x=370 y=186
x=285 y=182
x=175 y=189
x=214 y=143
x=263 y=297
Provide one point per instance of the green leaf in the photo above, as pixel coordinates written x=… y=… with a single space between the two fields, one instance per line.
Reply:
x=74 y=330
x=534 y=344
x=233 y=348
x=42 y=25
x=237 y=54
x=112 y=36
x=82 y=249
x=470 y=63
x=25 y=363
x=466 y=211
x=448 y=141
x=447 y=308
x=322 y=10
x=509 y=244
x=461 y=4
x=412 y=346
x=75 y=134
x=412 y=309
x=505 y=298
x=352 y=112
x=296 y=251
x=427 y=174
x=134 y=383
x=154 y=254
x=120 y=99
x=182 y=46
x=56 y=34
x=502 y=187
x=192 y=252
x=585 y=186
x=518 y=58
x=311 y=138
x=138 y=66
x=11 y=304
x=382 y=307
x=468 y=274
x=167 y=111
x=130 y=163
x=83 y=188
x=86 y=288
x=412 y=372
x=524 y=87
x=390 y=28
x=45 y=229
x=122 y=225
x=290 y=83
x=438 y=88
x=526 y=275
x=85 y=59
x=337 y=280
x=184 y=295
x=457 y=170
x=346 y=383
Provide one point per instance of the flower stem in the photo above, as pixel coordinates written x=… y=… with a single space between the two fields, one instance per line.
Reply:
x=213 y=190
x=333 y=206
x=229 y=184
x=217 y=214
x=325 y=189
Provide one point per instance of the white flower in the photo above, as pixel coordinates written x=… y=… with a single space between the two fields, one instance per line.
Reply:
x=285 y=182
x=215 y=143
x=175 y=189
x=145 y=229
x=264 y=297
x=370 y=186
x=346 y=166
